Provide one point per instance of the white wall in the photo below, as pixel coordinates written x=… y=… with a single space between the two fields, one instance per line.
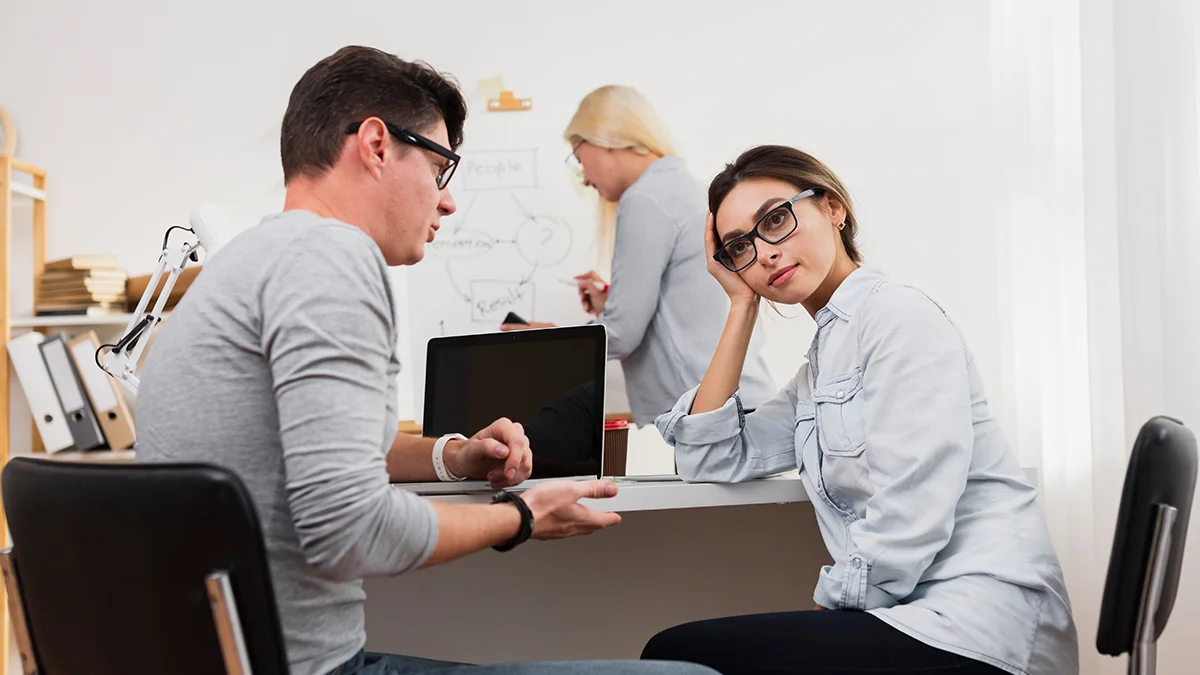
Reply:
x=141 y=110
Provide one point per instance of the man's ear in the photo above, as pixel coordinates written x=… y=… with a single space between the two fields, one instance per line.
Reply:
x=370 y=144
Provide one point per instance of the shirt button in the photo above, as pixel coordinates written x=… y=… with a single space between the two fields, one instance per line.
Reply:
x=857 y=564
x=840 y=394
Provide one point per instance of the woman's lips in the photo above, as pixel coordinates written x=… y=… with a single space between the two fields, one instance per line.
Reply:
x=781 y=277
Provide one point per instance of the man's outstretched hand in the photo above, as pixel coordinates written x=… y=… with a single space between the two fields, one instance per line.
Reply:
x=557 y=513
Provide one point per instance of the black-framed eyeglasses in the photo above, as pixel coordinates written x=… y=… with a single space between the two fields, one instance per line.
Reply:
x=573 y=163
x=413 y=138
x=780 y=222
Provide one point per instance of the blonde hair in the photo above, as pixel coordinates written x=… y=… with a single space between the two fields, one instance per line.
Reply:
x=618 y=118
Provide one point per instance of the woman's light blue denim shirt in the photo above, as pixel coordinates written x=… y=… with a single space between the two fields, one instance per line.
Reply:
x=927 y=515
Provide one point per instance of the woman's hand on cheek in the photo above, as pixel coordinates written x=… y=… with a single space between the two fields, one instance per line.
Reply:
x=737 y=289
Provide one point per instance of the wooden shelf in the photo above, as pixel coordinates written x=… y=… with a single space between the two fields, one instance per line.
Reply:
x=36 y=191
x=27 y=191
x=70 y=321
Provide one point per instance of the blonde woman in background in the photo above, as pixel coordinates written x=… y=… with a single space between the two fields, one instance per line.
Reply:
x=663 y=311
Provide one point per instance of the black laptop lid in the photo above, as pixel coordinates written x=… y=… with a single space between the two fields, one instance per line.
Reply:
x=549 y=380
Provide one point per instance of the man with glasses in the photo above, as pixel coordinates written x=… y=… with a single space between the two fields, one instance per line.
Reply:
x=280 y=364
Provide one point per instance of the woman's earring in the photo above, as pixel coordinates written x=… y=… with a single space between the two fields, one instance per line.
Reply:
x=841 y=225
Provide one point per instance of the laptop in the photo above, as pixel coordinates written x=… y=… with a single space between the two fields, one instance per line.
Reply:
x=550 y=380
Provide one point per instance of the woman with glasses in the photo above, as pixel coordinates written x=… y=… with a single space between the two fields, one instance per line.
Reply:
x=661 y=309
x=941 y=557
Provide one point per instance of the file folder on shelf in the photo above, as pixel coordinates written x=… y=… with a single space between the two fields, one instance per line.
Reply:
x=111 y=411
x=26 y=355
x=80 y=418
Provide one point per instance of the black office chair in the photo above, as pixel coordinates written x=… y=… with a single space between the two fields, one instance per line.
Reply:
x=1147 y=553
x=137 y=570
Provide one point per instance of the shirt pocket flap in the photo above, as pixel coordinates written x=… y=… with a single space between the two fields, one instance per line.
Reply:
x=839 y=415
x=839 y=389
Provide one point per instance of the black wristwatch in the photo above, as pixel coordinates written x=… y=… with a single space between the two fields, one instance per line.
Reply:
x=526 y=529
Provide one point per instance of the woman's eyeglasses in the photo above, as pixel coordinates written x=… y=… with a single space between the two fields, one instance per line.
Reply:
x=780 y=222
x=413 y=138
x=573 y=163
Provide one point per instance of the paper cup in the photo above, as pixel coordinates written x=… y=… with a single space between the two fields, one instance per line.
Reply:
x=616 y=447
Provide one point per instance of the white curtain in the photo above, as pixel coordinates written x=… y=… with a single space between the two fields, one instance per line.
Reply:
x=1097 y=142
x=1158 y=170
x=1036 y=58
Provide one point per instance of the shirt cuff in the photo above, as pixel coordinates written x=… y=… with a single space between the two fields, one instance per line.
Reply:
x=844 y=586
x=680 y=427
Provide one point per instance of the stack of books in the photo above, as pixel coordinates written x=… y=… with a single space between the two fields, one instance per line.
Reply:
x=85 y=285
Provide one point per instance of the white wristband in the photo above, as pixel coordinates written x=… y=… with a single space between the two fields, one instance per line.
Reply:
x=439 y=464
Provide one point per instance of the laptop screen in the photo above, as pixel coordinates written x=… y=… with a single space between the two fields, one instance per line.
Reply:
x=551 y=381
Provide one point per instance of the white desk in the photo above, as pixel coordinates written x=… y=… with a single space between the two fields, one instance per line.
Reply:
x=633 y=496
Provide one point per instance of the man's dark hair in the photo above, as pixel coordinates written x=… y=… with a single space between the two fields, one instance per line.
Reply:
x=356 y=83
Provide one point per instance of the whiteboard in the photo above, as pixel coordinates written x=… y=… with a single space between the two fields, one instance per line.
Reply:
x=524 y=227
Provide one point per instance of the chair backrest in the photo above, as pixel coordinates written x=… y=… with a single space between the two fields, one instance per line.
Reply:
x=1162 y=471
x=112 y=560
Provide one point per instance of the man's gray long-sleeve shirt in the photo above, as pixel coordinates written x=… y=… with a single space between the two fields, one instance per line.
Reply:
x=665 y=312
x=280 y=364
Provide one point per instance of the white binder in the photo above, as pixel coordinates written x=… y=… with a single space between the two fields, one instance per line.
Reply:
x=26 y=355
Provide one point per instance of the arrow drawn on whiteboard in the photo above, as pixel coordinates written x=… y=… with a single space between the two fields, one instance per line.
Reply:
x=524 y=210
x=531 y=273
x=458 y=223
